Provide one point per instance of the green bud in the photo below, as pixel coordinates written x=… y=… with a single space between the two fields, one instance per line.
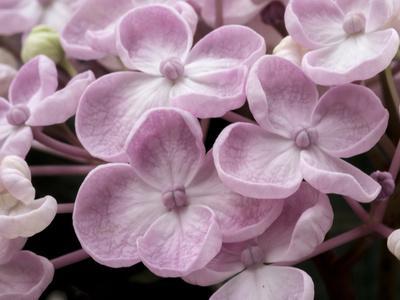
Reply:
x=43 y=40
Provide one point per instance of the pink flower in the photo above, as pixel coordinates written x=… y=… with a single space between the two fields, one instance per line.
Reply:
x=167 y=208
x=23 y=274
x=300 y=137
x=20 y=214
x=34 y=101
x=306 y=218
x=207 y=80
x=348 y=40
x=90 y=33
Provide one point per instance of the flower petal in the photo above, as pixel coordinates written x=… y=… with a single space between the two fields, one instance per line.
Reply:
x=110 y=107
x=332 y=175
x=36 y=80
x=359 y=57
x=25 y=276
x=18 y=16
x=144 y=42
x=166 y=148
x=181 y=242
x=113 y=208
x=211 y=95
x=296 y=233
x=15 y=140
x=256 y=163
x=8 y=248
x=314 y=23
x=265 y=283
x=239 y=218
x=281 y=97
x=349 y=120
x=62 y=105
x=224 y=48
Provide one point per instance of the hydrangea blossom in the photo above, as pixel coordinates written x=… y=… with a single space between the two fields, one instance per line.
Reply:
x=300 y=137
x=23 y=274
x=306 y=218
x=18 y=16
x=167 y=208
x=20 y=214
x=207 y=80
x=348 y=40
x=90 y=33
x=34 y=101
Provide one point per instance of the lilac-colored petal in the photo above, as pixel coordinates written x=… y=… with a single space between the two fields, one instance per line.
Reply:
x=332 y=175
x=307 y=217
x=268 y=283
x=187 y=12
x=110 y=107
x=144 y=41
x=29 y=274
x=15 y=140
x=166 y=148
x=359 y=57
x=349 y=120
x=314 y=23
x=62 y=105
x=239 y=218
x=281 y=97
x=225 y=48
x=15 y=178
x=181 y=242
x=8 y=248
x=211 y=95
x=57 y=13
x=256 y=163
x=27 y=220
x=34 y=81
x=113 y=208
x=18 y=16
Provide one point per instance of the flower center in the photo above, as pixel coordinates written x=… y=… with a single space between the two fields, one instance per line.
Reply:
x=18 y=115
x=303 y=139
x=252 y=255
x=172 y=68
x=175 y=198
x=354 y=23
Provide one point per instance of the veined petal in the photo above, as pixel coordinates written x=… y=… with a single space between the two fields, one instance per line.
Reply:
x=15 y=140
x=8 y=248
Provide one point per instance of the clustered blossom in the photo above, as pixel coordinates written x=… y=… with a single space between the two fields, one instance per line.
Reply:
x=241 y=213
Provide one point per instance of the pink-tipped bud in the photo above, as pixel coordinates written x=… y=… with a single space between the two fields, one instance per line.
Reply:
x=18 y=115
x=172 y=68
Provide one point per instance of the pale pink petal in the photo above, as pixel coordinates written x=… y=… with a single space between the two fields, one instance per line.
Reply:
x=18 y=16
x=166 y=148
x=239 y=218
x=181 y=242
x=8 y=248
x=113 y=208
x=57 y=13
x=211 y=95
x=187 y=12
x=315 y=23
x=359 y=57
x=268 y=283
x=280 y=96
x=27 y=220
x=349 y=120
x=226 y=264
x=34 y=81
x=62 y=105
x=15 y=140
x=225 y=48
x=29 y=274
x=110 y=107
x=144 y=41
x=307 y=217
x=256 y=163
x=332 y=175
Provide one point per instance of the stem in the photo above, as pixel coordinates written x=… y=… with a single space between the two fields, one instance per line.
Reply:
x=61 y=170
x=60 y=146
x=358 y=209
x=69 y=259
x=68 y=67
x=65 y=208
x=205 y=125
x=36 y=145
x=219 y=15
x=234 y=117
x=382 y=229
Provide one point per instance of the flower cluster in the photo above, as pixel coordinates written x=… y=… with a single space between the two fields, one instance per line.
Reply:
x=140 y=81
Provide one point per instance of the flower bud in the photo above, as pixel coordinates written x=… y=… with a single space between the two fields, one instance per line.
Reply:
x=393 y=243
x=43 y=40
x=290 y=50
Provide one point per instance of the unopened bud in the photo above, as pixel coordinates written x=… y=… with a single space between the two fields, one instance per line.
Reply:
x=393 y=243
